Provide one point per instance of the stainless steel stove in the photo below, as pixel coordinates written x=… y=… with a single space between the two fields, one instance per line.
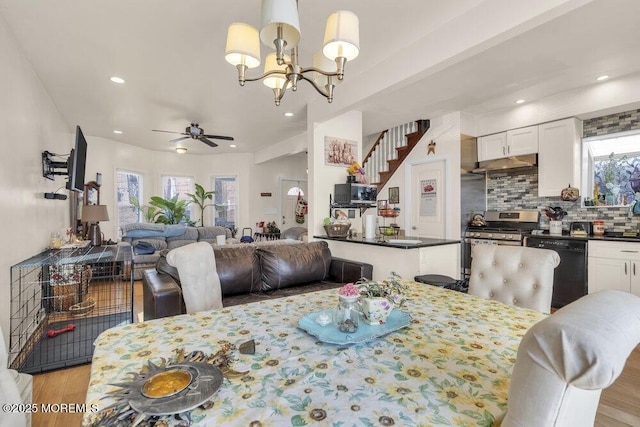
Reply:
x=500 y=228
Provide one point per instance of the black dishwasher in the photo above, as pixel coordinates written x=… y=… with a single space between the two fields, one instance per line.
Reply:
x=570 y=276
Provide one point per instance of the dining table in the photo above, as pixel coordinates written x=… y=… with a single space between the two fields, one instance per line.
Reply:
x=450 y=364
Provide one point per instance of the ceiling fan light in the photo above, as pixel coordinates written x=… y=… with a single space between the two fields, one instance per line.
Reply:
x=243 y=45
x=181 y=150
x=282 y=13
x=342 y=36
x=274 y=81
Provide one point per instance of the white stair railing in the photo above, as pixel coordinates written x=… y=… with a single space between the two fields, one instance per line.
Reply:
x=386 y=150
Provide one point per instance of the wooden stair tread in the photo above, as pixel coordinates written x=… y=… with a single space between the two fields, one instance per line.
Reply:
x=412 y=140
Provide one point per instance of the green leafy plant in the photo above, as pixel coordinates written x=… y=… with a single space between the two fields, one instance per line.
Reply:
x=200 y=198
x=149 y=213
x=171 y=211
x=390 y=289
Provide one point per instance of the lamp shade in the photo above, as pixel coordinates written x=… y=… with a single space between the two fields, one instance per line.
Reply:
x=325 y=64
x=243 y=45
x=342 y=36
x=94 y=213
x=284 y=13
x=274 y=81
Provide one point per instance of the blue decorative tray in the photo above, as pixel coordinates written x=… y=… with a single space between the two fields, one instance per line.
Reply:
x=330 y=334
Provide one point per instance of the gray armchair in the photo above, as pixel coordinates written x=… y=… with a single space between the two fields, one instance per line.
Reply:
x=295 y=233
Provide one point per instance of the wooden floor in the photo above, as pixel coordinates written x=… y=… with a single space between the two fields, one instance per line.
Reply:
x=619 y=404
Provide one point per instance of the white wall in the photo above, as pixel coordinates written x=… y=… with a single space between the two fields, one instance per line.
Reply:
x=323 y=177
x=608 y=97
x=29 y=124
x=445 y=131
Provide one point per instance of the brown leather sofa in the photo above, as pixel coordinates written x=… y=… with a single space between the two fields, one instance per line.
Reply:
x=254 y=273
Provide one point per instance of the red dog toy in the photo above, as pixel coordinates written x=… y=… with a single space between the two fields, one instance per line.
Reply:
x=51 y=333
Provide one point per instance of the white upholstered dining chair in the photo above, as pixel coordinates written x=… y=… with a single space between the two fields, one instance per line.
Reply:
x=514 y=275
x=565 y=360
x=15 y=388
x=199 y=279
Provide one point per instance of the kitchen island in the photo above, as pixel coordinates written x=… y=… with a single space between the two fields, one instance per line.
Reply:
x=407 y=257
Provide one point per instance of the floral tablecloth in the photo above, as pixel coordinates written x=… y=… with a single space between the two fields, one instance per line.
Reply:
x=450 y=366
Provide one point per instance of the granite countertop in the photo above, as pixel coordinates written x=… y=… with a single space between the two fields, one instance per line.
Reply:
x=401 y=243
x=608 y=236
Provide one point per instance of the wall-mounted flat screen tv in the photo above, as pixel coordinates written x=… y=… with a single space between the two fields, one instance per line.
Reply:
x=77 y=163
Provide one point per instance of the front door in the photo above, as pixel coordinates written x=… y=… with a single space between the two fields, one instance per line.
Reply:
x=290 y=190
x=427 y=200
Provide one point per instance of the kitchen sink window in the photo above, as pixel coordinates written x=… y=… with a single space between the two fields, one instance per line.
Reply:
x=612 y=166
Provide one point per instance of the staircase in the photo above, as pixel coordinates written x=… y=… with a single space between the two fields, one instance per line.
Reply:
x=390 y=149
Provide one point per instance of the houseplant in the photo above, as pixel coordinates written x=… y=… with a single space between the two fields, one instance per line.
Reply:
x=171 y=211
x=200 y=198
x=378 y=298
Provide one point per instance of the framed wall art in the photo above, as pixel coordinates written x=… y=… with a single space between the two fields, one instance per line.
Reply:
x=339 y=151
x=394 y=195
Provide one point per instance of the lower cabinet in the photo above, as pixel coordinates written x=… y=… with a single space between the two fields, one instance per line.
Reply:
x=614 y=265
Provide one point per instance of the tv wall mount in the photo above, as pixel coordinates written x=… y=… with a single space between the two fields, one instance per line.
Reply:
x=51 y=167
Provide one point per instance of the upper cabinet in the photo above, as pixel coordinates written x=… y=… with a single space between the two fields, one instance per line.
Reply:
x=515 y=142
x=559 y=156
x=492 y=146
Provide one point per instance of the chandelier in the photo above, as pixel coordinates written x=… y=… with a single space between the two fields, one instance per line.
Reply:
x=281 y=31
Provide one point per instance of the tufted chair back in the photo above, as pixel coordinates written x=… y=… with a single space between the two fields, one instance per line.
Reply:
x=196 y=266
x=514 y=275
x=565 y=360
x=9 y=391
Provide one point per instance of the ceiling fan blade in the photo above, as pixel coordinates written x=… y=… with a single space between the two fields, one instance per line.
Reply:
x=179 y=139
x=167 y=131
x=209 y=143
x=226 y=138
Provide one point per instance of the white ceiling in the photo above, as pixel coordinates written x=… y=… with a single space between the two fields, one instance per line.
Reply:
x=171 y=54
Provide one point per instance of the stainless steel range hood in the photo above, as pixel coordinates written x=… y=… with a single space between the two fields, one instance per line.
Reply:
x=528 y=161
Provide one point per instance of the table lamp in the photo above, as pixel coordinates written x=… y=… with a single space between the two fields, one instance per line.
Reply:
x=93 y=214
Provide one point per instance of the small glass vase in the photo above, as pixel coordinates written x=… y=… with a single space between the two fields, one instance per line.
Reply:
x=346 y=316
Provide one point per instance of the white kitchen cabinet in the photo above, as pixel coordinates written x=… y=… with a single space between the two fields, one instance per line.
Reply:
x=514 y=142
x=559 y=156
x=492 y=146
x=614 y=265
x=522 y=141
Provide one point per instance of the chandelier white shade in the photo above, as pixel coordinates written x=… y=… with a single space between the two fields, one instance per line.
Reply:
x=341 y=37
x=243 y=47
x=283 y=15
x=274 y=81
x=281 y=32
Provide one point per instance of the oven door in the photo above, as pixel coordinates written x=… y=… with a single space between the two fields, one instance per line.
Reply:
x=469 y=242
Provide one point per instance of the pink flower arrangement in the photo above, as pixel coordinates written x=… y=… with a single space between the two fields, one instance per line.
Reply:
x=349 y=290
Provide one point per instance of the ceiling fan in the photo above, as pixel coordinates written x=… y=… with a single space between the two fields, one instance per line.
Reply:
x=196 y=132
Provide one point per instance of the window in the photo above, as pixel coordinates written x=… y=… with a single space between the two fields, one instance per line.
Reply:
x=226 y=201
x=129 y=193
x=178 y=186
x=613 y=165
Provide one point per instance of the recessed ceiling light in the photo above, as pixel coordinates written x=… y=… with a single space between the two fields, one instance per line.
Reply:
x=288 y=114
x=233 y=145
x=181 y=150
x=601 y=78
x=520 y=101
x=119 y=132
x=119 y=80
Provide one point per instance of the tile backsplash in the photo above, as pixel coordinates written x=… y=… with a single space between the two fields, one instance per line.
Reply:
x=519 y=189
x=613 y=123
